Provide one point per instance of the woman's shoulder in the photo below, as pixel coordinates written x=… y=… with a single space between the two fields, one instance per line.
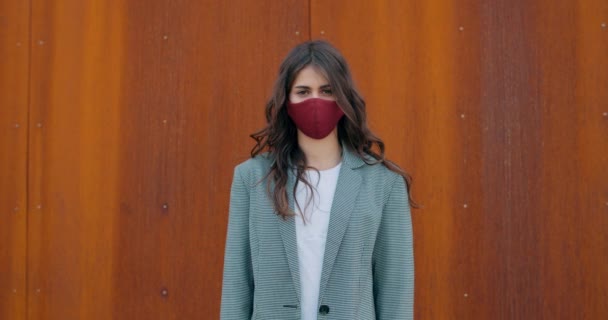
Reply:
x=379 y=171
x=255 y=167
x=378 y=176
x=383 y=181
x=370 y=168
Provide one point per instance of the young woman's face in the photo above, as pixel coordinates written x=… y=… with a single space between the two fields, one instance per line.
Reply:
x=310 y=83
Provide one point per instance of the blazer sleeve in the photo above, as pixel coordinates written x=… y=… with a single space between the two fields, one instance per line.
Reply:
x=237 y=286
x=393 y=258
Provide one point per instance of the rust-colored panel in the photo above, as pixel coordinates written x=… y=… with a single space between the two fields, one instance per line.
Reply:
x=573 y=57
x=407 y=70
x=76 y=81
x=499 y=110
x=510 y=118
x=195 y=85
x=139 y=114
x=14 y=54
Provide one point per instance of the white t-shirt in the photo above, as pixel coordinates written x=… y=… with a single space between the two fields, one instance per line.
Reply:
x=312 y=234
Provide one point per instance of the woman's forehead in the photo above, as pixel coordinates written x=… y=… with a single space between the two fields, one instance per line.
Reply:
x=311 y=75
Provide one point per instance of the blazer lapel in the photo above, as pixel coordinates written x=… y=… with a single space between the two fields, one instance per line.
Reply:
x=345 y=195
x=347 y=190
x=288 y=233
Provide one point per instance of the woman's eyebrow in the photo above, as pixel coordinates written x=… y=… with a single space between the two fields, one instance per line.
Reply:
x=307 y=87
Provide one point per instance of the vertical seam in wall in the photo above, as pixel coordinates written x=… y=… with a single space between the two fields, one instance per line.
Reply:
x=310 y=20
x=27 y=161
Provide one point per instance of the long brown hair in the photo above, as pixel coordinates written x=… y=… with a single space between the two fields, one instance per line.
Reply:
x=279 y=137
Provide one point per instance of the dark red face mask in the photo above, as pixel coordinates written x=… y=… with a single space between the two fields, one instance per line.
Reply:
x=315 y=117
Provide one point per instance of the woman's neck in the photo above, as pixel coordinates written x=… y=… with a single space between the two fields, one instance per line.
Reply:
x=321 y=154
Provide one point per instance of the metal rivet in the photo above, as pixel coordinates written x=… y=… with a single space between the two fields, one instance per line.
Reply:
x=37 y=290
x=18 y=44
x=466 y=295
x=39 y=125
x=40 y=42
x=165 y=206
x=465 y=205
x=462 y=115
x=164 y=292
x=165 y=37
x=165 y=121
x=297 y=33
x=603 y=24
x=16 y=209
x=16 y=125
x=605 y=114
x=39 y=207
x=322 y=31
x=14 y=290
x=461 y=28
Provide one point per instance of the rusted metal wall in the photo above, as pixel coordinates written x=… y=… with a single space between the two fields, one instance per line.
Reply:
x=14 y=59
x=122 y=122
x=500 y=111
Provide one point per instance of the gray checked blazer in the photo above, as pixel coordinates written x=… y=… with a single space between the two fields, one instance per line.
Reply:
x=368 y=267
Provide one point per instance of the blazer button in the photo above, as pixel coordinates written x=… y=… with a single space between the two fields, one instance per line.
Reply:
x=323 y=310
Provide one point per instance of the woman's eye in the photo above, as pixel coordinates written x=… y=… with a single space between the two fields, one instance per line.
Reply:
x=327 y=92
x=301 y=92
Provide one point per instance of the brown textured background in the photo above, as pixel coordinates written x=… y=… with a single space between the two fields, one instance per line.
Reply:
x=121 y=122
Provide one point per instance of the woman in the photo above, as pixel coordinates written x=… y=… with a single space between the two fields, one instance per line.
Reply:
x=319 y=224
